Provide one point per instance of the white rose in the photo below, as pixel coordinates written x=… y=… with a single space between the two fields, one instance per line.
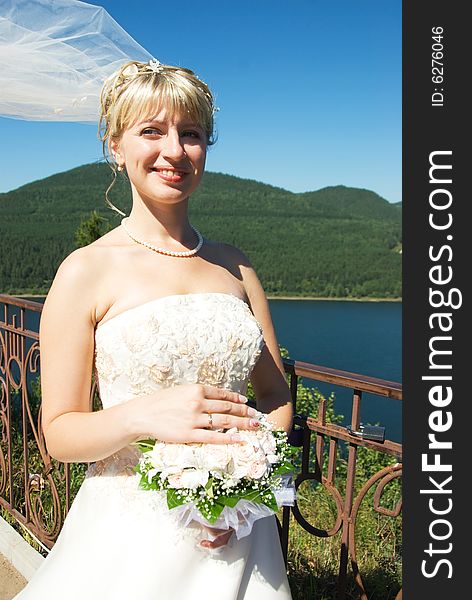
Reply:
x=167 y=472
x=156 y=456
x=179 y=455
x=193 y=478
x=257 y=469
x=243 y=456
x=168 y=457
x=175 y=480
x=214 y=457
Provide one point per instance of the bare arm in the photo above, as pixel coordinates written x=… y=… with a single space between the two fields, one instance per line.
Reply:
x=75 y=434
x=67 y=345
x=268 y=376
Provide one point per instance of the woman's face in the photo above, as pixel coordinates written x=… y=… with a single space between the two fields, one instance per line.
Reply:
x=163 y=156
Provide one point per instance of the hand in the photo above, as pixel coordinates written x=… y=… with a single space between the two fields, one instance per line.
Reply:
x=181 y=415
x=222 y=537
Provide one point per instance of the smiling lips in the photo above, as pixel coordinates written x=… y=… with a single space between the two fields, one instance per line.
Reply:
x=171 y=175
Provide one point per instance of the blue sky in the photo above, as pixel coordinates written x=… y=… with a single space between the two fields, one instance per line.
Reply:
x=309 y=92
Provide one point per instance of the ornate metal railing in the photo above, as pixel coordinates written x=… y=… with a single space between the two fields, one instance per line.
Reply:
x=322 y=467
x=37 y=490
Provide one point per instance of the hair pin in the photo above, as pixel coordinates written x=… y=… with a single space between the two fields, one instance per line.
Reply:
x=155 y=65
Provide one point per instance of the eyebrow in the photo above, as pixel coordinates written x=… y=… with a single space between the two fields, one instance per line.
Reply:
x=155 y=120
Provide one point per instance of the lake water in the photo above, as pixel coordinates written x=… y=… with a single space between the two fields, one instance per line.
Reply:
x=361 y=337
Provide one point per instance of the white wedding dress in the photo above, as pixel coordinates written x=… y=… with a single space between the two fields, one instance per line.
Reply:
x=119 y=542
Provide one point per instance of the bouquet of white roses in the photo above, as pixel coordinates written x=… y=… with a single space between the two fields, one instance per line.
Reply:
x=222 y=485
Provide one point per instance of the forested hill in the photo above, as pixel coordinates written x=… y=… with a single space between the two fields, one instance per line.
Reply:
x=335 y=242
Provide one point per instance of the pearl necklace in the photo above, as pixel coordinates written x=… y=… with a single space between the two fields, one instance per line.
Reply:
x=163 y=250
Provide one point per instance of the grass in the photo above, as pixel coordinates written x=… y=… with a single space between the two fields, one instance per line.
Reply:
x=313 y=562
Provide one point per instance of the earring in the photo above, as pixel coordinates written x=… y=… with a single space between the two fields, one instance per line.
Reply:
x=120 y=168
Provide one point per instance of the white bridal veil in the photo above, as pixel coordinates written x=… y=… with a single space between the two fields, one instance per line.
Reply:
x=54 y=57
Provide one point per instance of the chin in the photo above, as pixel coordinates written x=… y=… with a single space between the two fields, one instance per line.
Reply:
x=166 y=196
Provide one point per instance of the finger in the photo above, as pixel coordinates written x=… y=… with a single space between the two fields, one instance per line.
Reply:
x=212 y=392
x=228 y=422
x=226 y=407
x=207 y=436
x=220 y=541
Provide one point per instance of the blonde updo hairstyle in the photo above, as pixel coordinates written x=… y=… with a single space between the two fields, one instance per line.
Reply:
x=138 y=91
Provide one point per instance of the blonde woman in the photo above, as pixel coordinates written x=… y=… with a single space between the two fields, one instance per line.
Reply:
x=175 y=326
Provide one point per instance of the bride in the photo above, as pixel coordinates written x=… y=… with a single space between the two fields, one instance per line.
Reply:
x=175 y=325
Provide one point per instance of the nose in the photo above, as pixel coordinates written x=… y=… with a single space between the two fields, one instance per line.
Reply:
x=172 y=145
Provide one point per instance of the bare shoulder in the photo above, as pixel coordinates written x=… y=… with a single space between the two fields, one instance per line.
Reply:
x=230 y=256
x=82 y=266
x=228 y=253
x=76 y=288
x=239 y=262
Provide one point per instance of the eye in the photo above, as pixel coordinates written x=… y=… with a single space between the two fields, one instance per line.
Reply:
x=150 y=131
x=192 y=133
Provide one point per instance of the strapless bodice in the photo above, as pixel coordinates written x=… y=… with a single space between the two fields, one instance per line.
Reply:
x=210 y=338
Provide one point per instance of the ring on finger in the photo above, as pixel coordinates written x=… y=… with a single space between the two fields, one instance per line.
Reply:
x=210 y=421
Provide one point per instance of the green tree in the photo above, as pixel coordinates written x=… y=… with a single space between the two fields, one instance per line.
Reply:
x=91 y=229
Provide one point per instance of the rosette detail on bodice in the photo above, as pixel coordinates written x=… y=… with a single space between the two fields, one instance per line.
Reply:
x=210 y=338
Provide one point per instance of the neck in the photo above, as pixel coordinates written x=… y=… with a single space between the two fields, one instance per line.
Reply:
x=162 y=224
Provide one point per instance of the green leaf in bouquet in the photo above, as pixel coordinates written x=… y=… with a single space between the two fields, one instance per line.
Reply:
x=173 y=500
x=270 y=501
x=145 y=484
x=253 y=496
x=264 y=496
x=230 y=501
x=283 y=468
x=210 y=512
x=209 y=488
x=144 y=445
